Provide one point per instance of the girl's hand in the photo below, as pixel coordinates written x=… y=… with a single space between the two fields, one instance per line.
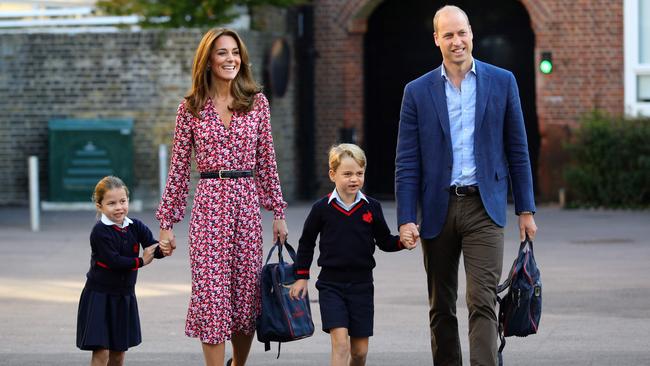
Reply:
x=147 y=254
x=298 y=290
x=280 y=231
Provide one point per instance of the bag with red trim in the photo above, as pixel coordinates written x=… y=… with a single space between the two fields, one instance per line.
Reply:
x=282 y=319
x=520 y=309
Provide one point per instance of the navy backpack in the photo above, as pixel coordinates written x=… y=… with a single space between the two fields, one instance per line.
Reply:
x=521 y=308
x=282 y=319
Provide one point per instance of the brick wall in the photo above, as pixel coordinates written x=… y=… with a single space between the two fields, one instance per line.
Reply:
x=585 y=37
x=339 y=80
x=142 y=75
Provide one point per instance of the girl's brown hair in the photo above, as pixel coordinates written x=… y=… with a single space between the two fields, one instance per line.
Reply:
x=243 y=88
x=106 y=184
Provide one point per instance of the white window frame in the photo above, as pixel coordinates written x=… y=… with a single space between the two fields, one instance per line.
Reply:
x=632 y=66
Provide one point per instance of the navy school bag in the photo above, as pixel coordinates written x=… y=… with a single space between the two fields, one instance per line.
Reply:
x=281 y=319
x=520 y=309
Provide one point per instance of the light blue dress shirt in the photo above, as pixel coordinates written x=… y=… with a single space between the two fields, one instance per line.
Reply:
x=461 y=105
x=335 y=195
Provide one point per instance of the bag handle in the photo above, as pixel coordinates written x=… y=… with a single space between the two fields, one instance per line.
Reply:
x=524 y=246
x=279 y=246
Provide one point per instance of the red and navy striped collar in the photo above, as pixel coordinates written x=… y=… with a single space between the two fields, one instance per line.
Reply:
x=334 y=196
x=337 y=203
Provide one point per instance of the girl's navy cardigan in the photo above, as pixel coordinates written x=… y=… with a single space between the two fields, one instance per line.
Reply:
x=114 y=259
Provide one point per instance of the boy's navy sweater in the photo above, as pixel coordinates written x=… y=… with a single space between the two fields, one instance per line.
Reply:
x=114 y=258
x=347 y=240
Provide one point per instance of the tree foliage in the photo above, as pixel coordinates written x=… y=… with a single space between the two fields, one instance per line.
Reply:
x=184 y=13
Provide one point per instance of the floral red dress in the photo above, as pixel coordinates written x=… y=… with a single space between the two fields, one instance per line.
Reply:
x=225 y=236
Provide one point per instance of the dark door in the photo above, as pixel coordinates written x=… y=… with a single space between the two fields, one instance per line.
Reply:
x=399 y=47
x=305 y=58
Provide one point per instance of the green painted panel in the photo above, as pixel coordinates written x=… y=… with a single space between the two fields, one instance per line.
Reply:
x=83 y=151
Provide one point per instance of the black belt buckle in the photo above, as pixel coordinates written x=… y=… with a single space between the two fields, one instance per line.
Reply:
x=463 y=191
x=228 y=174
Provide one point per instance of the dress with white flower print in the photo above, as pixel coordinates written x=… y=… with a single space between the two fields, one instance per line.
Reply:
x=225 y=236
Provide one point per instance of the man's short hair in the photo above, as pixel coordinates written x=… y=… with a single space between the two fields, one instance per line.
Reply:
x=447 y=7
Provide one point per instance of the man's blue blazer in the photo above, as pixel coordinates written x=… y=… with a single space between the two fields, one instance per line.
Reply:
x=424 y=152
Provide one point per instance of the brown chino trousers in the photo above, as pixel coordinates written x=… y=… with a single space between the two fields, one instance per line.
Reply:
x=470 y=231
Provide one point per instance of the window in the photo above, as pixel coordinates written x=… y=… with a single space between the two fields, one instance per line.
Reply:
x=644 y=31
x=637 y=57
x=643 y=89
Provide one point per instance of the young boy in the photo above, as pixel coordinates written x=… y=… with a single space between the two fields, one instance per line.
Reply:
x=350 y=224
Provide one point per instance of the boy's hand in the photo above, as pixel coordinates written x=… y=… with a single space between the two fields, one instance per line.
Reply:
x=165 y=247
x=409 y=235
x=147 y=255
x=298 y=290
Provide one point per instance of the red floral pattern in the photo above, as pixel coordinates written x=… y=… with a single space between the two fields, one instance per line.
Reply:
x=225 y=238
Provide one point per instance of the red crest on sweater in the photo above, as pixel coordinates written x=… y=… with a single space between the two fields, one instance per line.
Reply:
x=367 y=217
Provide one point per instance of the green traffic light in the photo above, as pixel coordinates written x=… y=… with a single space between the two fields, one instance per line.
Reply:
x=546 y=66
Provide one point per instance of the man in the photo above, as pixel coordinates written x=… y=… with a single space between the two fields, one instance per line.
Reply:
x=461 y=136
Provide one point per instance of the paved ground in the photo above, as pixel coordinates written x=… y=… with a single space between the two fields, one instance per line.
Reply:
x=595 y=269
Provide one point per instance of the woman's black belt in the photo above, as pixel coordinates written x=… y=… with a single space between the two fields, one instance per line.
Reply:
x=227 y=174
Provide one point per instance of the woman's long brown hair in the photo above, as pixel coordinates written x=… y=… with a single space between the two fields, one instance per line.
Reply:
x=243 y=88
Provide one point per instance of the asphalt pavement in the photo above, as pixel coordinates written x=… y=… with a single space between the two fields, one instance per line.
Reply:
x=595 y=268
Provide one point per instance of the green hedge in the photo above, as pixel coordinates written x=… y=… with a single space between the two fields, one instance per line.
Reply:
x=610 y=163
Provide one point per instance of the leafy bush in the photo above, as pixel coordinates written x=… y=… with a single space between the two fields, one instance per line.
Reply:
x=610 y=163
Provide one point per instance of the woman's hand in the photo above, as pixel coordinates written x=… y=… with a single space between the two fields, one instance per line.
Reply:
x=167 y=241
x=280 y=231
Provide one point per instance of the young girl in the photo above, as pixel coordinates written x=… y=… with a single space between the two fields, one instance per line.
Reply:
x=107 y=320
x=350 y=224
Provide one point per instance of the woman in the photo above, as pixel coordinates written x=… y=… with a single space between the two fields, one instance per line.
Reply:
x=225 y=120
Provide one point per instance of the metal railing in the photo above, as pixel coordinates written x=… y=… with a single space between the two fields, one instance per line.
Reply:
x=82 y=19
x=73 y=19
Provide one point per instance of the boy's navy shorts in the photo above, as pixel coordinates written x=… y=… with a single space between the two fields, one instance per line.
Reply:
x=347 y=305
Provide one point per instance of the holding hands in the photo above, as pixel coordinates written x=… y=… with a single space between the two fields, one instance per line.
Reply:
x=409 y=235
x=167 y=242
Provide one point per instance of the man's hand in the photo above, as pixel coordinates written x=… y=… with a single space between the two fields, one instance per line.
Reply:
x=409 y=235
x=527 y=227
